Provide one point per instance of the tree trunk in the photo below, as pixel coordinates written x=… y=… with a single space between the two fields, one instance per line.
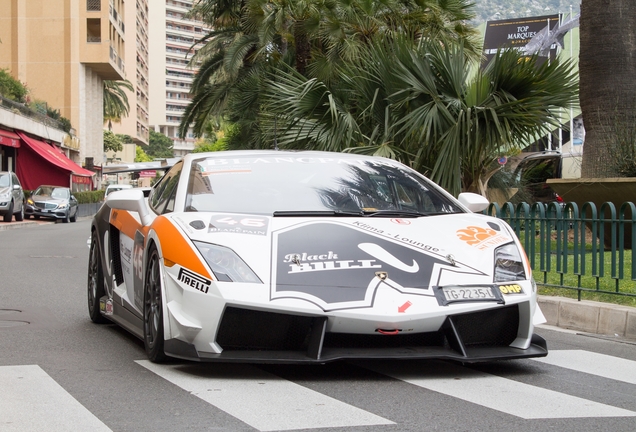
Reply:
x=607 y=72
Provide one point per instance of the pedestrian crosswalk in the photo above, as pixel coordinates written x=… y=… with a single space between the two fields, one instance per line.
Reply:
x=32 y=401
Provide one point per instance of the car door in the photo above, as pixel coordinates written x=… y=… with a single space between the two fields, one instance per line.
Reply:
x=18 y=193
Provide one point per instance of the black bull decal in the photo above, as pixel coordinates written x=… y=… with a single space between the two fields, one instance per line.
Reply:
x=337 y=264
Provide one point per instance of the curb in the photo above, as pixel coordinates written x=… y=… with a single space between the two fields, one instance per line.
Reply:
x=4 y=226
x=589 y=316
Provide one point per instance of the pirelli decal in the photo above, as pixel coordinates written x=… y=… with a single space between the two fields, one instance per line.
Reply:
x=194 y=280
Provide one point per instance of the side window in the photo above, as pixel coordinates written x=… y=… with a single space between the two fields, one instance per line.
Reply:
x=163 y=195
x=15 y=180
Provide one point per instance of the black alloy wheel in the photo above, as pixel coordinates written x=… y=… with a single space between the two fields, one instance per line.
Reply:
x=95 y=282
x=153 y=310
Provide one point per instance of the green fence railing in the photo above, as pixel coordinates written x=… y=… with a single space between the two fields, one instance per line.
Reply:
x=587 y=249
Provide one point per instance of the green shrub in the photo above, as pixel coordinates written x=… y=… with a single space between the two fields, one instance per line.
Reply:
x=89 y=197
x=12 y=88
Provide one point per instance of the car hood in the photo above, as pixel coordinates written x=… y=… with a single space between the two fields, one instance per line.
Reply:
x=295 y=252
x=48 y=199
x=5 y=190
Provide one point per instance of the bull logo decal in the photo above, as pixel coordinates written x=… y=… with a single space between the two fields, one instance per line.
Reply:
x=334 y=265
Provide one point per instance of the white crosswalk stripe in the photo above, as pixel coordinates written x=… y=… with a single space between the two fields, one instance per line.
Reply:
x=502 y=394
x=265 y=401
x=592 y=363
x=32 y=401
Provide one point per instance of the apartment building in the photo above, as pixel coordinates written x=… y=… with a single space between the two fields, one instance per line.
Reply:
x=172 y=37
x=138 y=73
x=63 y=50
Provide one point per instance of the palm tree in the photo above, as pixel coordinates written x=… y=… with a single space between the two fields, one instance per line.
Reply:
x=420 y=107
x=607 y=68
x=116 y=101
x=251 y=37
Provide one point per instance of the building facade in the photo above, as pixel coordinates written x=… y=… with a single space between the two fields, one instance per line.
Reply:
x=63 y=50
x=137 y=59
x=172 y=36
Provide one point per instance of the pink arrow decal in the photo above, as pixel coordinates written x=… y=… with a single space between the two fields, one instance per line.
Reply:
x=404 y=307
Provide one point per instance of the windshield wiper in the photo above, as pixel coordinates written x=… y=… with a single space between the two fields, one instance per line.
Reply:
x=401 y=213
x=361 y=213
x=317 y=213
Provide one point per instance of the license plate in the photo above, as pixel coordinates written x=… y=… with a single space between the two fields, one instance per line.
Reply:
x=472 y=293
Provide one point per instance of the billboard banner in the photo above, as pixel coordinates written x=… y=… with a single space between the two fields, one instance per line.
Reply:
x=517 y=33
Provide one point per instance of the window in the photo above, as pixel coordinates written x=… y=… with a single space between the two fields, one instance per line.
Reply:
x=93 y=5
x=163 y=195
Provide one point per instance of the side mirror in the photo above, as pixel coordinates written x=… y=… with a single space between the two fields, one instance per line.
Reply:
x=473 y=202
x=130 y=200
x=16 y=187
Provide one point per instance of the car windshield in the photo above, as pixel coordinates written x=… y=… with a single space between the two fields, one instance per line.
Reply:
x=53 y=192
x=5 y=181
x=297 y=186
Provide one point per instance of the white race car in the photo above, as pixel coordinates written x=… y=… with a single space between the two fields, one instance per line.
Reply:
x=309 y=257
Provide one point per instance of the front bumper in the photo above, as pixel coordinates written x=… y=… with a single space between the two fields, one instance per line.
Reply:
x=30 y=210
x=4 y=206
x=268 y=337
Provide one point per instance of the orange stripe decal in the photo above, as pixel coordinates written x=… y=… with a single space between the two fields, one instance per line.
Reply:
x=176 y=248
x=126 y=223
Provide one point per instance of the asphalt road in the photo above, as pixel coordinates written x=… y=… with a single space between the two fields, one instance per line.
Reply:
x=60 y=372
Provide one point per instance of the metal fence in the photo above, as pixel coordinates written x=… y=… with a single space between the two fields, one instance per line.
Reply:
x=587 y=249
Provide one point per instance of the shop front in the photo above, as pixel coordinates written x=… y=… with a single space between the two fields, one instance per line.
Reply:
x=40 y=163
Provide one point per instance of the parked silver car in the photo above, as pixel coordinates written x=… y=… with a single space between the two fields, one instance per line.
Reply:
x=52 y=202
x=11 y=197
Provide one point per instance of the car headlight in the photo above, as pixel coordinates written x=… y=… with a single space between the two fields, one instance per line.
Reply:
x=5 y=196
x=509 y=264
x=62 y=206
x=226 y=265
x=30 y=202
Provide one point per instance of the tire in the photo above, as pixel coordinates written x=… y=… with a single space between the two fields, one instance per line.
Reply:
x=67 y=218
x=36 y=217
x=8 y=216
x=95 y=283
x=19 y=217
x=153 y=310
x=26 y=216
x=74 y=217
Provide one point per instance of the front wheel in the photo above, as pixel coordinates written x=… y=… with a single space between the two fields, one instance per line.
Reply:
x=19 y=216
x=153 y=310
x=95 y=282
x=8 y=216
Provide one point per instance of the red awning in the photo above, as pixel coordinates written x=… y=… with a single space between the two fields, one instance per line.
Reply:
x=55 y=156
x=9 y=138
x=39 y=163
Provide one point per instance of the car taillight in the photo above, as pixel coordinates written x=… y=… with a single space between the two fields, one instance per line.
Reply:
x=558 y=197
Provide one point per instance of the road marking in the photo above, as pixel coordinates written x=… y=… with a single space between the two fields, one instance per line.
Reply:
x=32 y=401
x=262 y=400
x=592 y=363
x=501 y=394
